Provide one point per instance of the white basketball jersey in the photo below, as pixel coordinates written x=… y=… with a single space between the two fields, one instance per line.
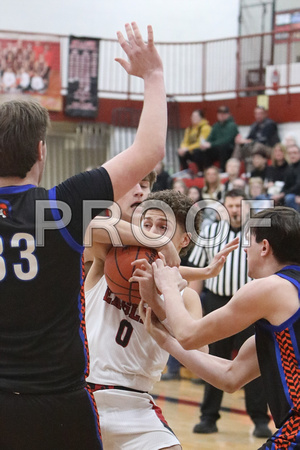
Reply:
x=121 y=351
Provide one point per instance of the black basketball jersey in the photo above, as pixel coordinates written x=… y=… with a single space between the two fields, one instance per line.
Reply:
x=278 y=350
x=43 y=344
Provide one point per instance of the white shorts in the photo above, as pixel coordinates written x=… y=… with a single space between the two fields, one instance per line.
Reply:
x=131 y=420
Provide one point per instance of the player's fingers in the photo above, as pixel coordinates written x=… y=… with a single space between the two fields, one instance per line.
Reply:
x=137 y=275
x=162 y=257
x=158 y=263
x=122 y=41
x=123 y=63
x=220 y=262
x=233 y=242
x=129 y=33
x=228 y=250
x=150 y=36
x=137 y=35
x=140 y=262
x=142 y=310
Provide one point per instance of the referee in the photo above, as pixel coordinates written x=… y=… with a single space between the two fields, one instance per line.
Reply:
x=216 y=293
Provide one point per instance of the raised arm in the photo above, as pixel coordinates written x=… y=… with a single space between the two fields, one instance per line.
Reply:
x=148 y=148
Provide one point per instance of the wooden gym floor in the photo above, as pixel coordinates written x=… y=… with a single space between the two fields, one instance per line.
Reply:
x=180 y=401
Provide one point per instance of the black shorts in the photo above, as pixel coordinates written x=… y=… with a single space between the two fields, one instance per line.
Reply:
x=67 y=421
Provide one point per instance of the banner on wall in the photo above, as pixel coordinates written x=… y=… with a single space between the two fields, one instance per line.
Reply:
x=31 y=68
x=82 y=93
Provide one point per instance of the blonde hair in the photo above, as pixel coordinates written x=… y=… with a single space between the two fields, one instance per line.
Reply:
x=284 y=151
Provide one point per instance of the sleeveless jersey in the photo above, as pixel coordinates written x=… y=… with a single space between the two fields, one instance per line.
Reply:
x=42 y=330
x=279 y=361
x=122 y=352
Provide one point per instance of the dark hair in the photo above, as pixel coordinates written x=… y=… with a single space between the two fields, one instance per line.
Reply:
x=283 y=235
x=260 y=149
x=262 y=108
x=223 y=109
x=201 y=113
x=23 y=124
x=180 y=205
x=236 y=193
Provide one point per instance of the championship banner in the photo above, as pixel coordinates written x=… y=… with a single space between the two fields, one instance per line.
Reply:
x=82 y=98
x=32 y=68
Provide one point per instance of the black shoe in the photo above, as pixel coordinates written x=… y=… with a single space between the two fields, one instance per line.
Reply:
x=262 y=430
x=205 y=427
x=170 y=376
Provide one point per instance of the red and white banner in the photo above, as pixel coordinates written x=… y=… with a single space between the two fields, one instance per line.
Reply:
x=32 y=68
x=82 y=94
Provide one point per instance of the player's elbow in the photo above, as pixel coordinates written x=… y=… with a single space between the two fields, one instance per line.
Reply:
x=229 y=388
x=230 y=384
x=187 y=341
x=160 y=152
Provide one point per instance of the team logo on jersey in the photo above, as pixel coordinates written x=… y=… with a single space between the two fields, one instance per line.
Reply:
x=5 y=209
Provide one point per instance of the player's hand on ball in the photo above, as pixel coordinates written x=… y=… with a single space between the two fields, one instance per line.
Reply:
x=167 y=277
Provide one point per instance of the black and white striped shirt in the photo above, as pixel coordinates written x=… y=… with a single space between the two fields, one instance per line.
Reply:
x=234 y=273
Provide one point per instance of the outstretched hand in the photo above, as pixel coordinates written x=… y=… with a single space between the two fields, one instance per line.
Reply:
x=218 y=261
x=143 y=57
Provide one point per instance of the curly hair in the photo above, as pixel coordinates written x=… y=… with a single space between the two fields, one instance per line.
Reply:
x=180 y=205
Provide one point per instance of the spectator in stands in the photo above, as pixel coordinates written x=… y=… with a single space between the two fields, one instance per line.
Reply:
x=163 y=179
x=257 y=194
x=263 y=131
x=194 y=193
x=260 y=162
x=189 y=149
x=241 y=184
x=180 y=186
x=290 y=139
x=213 y=189
x=220 y=143
x=277 y=170
x=290 y=192
x=232 y=169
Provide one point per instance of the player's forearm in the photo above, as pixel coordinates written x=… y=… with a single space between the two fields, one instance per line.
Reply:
x=214 y=370
x=123 y=233
x=152 y=130
x=194 y=273
x=178 y=317
x=157 y=306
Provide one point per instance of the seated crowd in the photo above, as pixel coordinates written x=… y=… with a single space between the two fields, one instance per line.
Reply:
x=215 y=159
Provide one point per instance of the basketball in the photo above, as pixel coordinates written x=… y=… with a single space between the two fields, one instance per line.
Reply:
x=118 y=270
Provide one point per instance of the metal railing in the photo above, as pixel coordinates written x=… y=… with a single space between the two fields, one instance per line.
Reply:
x=223 y=68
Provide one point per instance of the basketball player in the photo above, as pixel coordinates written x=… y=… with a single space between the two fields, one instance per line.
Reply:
x=125 y=362
x=271 y=302
x=44 y=402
